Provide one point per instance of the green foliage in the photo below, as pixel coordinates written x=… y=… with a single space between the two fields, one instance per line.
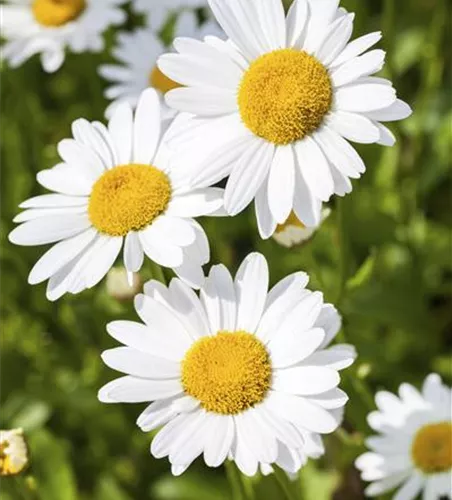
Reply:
x=383 y=256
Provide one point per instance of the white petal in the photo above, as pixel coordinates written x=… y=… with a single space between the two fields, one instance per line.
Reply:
x=314 y=168
x=354 y=127
x=66 y=180
x=157 y=414
x=218 y=298
x=399 y=110
x=338 y=357
x=387 y=138
x=296 y=22
x=273 y=23
x=364 y=65
x=251 y=284
x=340 y=153
x=247 y=176
x=357 y=47
x=364 y=97
x=159 y=251
x=219 y=440
x=281 y=183
x=140 y=364
x=49 y=229
x=54 y=201
x=174 y=231
x=60 y=255
x=136 y=390
x=146 y=127
x=265 y=221
x=330 y=400
x=163 y=322
x=290 y=349
x=330 y=321
x=306 y=206
x=305 y=381
x=301 y=412
x=120 y=128
x=82 y=158
x=411 y=488
x=88 y=134
x=196 y=203
x=323 y=13
x=187 y=304
x=202 y=101
x=133 y=253
x=336 y=39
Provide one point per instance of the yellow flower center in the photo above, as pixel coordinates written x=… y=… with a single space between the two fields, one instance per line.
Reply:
x=128 y=198
x=284 y=96
x=227 y=373
x=161 y=82
x=432 y=448
x=54 y=13
x=292 y=220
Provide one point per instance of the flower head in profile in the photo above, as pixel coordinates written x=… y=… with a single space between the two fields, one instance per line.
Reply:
x=137 y=53
x=275 y=106
x=117 y=186
x=48 y=27
x=293 y=232
x=413 y=451
x=238 y=372
x=13 y=452
x=158 y=11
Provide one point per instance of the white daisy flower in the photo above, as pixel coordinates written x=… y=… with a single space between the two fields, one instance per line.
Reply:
x=13 y=452
x=273 y=106
x=293 y=232
x=137 y=53
x=48 y=27
x=157 y=11
x=239 y=372
x=116 y=186
x=413 y=451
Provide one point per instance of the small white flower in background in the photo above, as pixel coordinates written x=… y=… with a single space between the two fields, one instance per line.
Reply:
x=157 y=11
x=274 y=107
x=137 y=53
x=293 y=232
x=13 y=452
x=413 y=451
x=48 y=27
x=240 y=372
x=122 y=285
x=117 y=185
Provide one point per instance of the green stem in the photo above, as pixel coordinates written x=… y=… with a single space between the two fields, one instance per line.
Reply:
x=342 y=251
x=284 y=484
x=234 y=480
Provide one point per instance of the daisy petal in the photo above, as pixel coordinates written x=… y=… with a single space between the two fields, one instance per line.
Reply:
x=354 y=127
x=251 y=284
x=133 y=253
x=364 y=97
x=248 y=175
x=281 y=184
x=120 y=127
x=356 y=48
x=146 y=127
x=203 y=101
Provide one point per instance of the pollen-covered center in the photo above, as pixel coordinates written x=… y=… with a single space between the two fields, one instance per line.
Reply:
x=227 y=373
x=292 y=220
x=432 y=448
x=128 y=198
x=54 y=13
x=284 y=96
x=161 y=82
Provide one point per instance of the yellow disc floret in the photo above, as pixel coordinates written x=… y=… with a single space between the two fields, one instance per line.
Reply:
x=227 y=373
x=128 y=198
x=432 y=448
x=161 y=82
x=284 y=96
x=292 y=220
x=54 y=13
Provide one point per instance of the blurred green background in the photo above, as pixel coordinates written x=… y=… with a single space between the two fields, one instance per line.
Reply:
x=383 y=256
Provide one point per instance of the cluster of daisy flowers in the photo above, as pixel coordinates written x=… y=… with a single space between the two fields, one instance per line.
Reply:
x=232 y=369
